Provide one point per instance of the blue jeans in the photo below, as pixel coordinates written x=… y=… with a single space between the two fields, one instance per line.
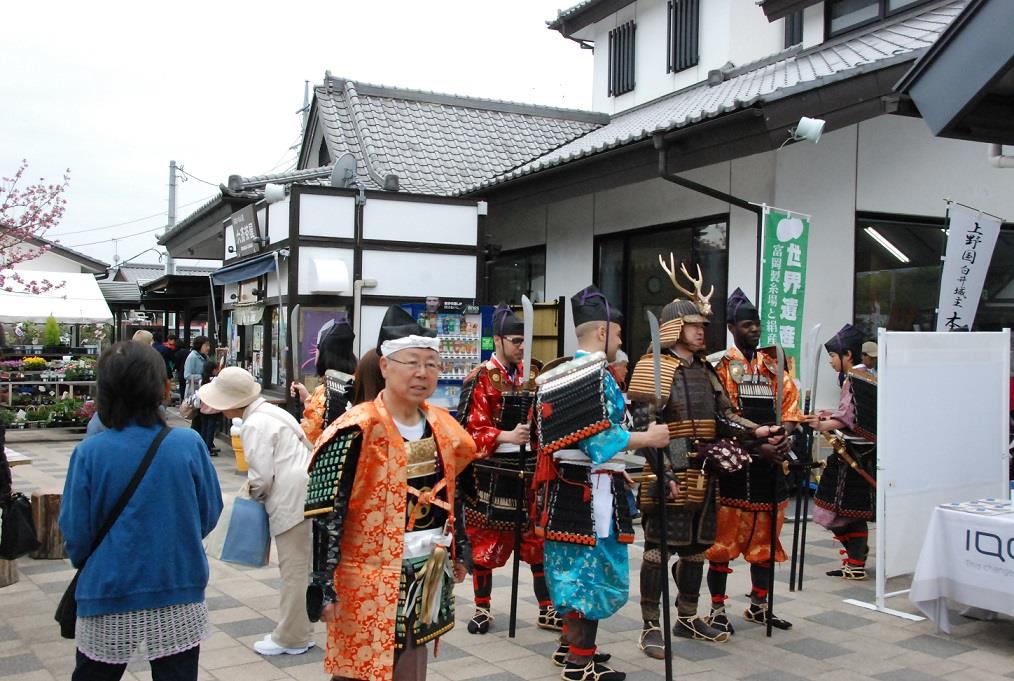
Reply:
x=178 y=667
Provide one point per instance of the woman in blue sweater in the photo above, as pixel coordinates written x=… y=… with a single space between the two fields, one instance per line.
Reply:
x=145 y=582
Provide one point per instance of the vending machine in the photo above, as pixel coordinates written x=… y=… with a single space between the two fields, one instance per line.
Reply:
x=466 y=340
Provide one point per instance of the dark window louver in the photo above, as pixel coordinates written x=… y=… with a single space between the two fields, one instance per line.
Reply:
x=794 y=29
x=684 y=34
x=621 y=59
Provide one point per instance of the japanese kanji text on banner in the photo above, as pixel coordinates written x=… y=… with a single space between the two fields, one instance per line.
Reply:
x=970 y=240
x=783 y=281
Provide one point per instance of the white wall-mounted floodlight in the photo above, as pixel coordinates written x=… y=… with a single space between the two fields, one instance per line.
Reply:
x=808 y=129
x=273 y=193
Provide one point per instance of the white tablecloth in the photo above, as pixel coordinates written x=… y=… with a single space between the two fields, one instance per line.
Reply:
x=966 y=557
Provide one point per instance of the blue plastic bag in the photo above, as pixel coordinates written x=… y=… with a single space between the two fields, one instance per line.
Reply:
x=242 y=535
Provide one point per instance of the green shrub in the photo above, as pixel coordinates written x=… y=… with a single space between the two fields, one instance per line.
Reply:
x=51 y=334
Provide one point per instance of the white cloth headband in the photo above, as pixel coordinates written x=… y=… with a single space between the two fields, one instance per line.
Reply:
x=389 y=347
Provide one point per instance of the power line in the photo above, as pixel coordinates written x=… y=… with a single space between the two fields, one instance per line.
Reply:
x=212 y=184
x=117 y=238
x=128 y=222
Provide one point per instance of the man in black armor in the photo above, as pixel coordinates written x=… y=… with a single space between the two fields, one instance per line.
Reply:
x=699 y=416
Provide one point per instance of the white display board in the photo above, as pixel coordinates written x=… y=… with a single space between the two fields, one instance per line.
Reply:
x=942 y=434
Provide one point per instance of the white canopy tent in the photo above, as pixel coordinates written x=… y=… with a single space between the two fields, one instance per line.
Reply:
x=78 y=301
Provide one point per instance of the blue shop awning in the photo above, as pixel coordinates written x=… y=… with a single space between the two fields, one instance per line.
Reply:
x=244 y=271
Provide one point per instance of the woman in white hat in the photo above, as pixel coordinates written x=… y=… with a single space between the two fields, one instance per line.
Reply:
x=277 y=453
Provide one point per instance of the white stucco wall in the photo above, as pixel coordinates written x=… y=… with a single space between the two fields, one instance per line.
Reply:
x=730 y=31
x=890 y=164
x=49 y=262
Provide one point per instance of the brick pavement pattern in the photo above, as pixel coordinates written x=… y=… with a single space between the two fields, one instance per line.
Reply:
x=831 y=640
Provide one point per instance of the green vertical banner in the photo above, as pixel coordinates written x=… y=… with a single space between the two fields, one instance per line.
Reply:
x=783 y=281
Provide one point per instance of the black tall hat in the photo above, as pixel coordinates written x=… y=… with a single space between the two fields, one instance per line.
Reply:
x=848 y=339
x=740 y=309
x=400 y=324
x=505 y=322
x=591 y=305
x=335 y=332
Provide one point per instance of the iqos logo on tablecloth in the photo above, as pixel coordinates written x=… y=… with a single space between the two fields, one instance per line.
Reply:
x=989 y=544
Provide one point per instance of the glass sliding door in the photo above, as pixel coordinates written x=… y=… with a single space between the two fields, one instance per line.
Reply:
x=627 y=271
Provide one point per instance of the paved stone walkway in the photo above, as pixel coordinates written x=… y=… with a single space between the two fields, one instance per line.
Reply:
x=831 y=640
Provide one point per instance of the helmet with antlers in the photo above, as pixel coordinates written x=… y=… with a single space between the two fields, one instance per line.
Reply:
x=694 y=309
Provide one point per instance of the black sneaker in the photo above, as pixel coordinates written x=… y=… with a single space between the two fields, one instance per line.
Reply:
x=479 y=624
x=593 y=671
x=559 y=657
x=651 y=641
x=696 y=628
x=759 y=613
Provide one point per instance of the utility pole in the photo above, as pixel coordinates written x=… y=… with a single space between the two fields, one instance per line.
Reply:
x=170 y=265
x=306 y=104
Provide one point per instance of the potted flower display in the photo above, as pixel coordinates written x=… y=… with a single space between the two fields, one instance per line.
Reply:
x=38 y=416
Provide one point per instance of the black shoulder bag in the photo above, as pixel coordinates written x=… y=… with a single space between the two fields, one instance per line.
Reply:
x=66 y=611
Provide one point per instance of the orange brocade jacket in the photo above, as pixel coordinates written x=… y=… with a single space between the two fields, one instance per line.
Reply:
x=360 y=644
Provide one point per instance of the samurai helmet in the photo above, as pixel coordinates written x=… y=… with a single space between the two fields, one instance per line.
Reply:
x=694 y=309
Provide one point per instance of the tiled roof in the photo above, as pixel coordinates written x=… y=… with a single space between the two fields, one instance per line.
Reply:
x=249 y=188
x=305 y=176
x=120 y=291
x=881 y=46
x=59 y=249
x=436 y=144
x=142 y=273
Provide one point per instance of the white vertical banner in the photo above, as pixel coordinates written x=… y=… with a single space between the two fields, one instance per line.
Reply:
x=970 y=241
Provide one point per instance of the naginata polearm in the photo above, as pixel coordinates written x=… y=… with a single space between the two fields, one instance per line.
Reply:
x=811 y=365
x=663 y=530
x=521 y=516
x=779 y=394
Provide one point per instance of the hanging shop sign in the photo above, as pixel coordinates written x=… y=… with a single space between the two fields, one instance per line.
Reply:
x=783 y=281
x=245 y=230
x=971 y=236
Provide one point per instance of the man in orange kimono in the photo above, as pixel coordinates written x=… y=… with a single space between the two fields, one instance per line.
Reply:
x=749 y=375
x=382 y=488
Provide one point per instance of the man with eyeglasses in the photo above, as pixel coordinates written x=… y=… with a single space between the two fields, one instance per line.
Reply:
x=389 y=545
x=494 y=410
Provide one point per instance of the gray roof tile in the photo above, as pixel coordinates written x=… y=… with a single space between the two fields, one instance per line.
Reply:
x=878 y=47
x=435 y=143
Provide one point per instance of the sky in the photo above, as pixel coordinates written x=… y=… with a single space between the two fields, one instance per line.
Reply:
x=115 y=90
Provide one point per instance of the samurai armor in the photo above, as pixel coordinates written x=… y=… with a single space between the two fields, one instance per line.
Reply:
x=492 y=488
x=337 y=395
x=842 y=490
x=332 y=471
x=864 y=397
x=570 y=404
x=564 y=506
x=514 y=409
x=757 y=400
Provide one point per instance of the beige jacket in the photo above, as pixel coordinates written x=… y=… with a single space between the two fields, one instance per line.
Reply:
x=277 y=453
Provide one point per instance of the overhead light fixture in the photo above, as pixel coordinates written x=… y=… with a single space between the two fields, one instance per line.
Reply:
x=808 y=129
x=887 y=245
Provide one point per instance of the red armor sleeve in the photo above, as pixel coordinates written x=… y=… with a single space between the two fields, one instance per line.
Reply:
x=480 y=424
